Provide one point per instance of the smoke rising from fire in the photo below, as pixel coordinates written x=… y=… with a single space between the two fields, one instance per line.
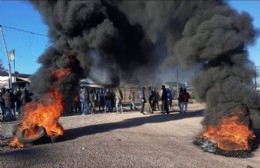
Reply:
x=135 y=41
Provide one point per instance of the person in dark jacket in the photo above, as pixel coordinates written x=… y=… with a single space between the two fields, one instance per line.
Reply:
x=165 y=107
x=9 y=104
x=151 y=99
x=25 y=96
x=101 y=100
x=17 y=100
x=142 y=100
x=2 y=103
x=185 y=100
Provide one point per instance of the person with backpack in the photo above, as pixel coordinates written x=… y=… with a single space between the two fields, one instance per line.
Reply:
x=185 y=100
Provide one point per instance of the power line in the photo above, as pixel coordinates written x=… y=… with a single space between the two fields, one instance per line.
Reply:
x=25 y=31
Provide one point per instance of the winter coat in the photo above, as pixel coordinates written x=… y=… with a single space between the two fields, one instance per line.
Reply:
x=8 y=100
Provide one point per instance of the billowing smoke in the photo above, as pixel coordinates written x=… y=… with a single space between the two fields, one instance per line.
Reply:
x=137 y=41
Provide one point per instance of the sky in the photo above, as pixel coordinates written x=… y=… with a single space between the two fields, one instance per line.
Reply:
x=29 y=45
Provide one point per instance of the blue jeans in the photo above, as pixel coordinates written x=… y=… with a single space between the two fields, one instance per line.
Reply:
x=132 y=105
x=119 y=105
x=84 y=107
x=184 y=107
x=9 y=113
x=2 y=110
x=108 y=106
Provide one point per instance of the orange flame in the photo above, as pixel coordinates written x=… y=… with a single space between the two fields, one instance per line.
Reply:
x=61 y=73
x=43 y=114
x=230 y=135
x=15 y=143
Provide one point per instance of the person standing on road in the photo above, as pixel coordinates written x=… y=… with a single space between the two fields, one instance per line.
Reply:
x=17 y=100
x=9 y=104
x=84 y=101
x=101 y=100
x=156 y=100
x=2 y=103
x=76 y=104
x=185 y=100
x=132 y=100
x=108 y=101
x=165 y=107
x=91 y=101
x=180 y=99
x=25 y=96
x=151 y=100
x=142 y=100
x=169 y=98
x=119 y=98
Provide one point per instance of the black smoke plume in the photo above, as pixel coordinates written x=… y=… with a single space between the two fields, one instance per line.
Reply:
x=135 y=42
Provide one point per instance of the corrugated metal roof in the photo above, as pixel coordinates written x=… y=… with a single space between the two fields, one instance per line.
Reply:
x=15 y=74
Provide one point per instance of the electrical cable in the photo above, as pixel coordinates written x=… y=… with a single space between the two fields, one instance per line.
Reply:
x=30 y=45
x=25 y=31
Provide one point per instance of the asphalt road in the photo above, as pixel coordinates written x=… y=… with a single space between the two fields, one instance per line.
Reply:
x=124 y=140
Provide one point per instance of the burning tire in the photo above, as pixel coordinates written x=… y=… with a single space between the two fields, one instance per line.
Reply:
x=56 y=139
x=41 y=134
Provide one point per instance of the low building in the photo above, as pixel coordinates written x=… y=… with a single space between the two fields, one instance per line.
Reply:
x=18 y=80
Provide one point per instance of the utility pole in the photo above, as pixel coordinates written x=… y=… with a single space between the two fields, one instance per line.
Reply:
x=15 y=76
x=8 y=59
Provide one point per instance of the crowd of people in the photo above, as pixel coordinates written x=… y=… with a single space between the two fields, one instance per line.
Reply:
x=110 y=100
x=11 y=102
x=98 y=100
x=90 y=101
x=166 y=98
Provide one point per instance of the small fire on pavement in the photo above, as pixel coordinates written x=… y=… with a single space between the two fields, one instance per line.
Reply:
x=232 y=136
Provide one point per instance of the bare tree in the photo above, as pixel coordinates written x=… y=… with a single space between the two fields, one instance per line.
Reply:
x=2 y=69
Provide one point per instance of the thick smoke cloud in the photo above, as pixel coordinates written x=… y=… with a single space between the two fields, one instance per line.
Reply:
x=100 y=27
x=216 y=38
x=134 y=42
